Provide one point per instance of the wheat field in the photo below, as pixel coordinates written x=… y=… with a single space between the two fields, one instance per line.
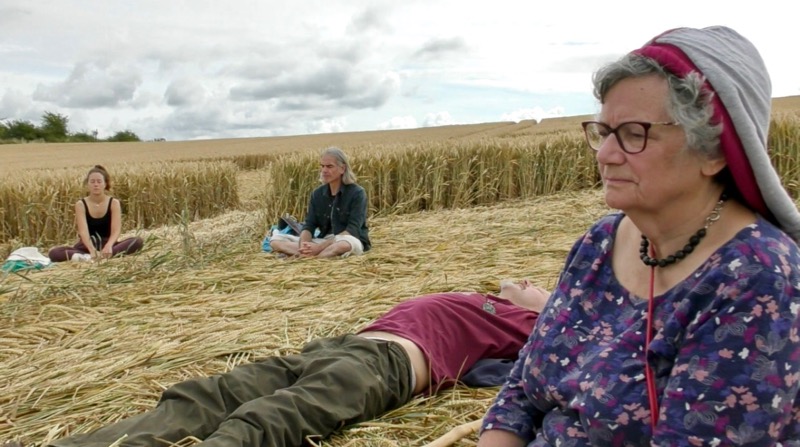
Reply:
x=86 y=344
x=64 y=155
x=83 y=345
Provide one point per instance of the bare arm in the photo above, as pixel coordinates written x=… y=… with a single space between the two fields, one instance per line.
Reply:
x=116 y=228
x=83 y=227
x=499 y=438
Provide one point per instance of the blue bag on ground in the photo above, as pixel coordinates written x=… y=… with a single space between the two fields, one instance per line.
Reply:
x=287 y=224
x=274 y=229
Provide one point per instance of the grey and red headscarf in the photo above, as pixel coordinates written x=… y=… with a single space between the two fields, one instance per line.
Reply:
x=735 y=72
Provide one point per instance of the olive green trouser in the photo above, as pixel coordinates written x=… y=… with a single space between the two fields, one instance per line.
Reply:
x=275 y=402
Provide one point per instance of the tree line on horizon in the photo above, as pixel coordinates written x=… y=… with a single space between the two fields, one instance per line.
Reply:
x=54 y=128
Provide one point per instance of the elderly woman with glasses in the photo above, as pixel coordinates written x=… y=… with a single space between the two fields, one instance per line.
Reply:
x=675 y=321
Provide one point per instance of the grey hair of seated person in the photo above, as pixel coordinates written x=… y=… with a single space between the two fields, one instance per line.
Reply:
x=349 y=177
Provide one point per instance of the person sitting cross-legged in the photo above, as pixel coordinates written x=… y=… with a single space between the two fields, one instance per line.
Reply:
x=337 y=212
x=98 y=218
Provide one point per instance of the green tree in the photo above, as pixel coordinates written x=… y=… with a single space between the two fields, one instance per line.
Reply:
x=3 y=131
x=83 y=137
x=125 y=135
x=22 y=130
x=54 y=127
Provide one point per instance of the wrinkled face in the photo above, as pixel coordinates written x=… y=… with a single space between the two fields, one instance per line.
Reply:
x=524 y=294
x=96 y=183
x=666 y=171
x=330 y=170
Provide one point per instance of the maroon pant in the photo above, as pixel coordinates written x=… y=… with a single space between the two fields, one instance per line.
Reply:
x=125 y=246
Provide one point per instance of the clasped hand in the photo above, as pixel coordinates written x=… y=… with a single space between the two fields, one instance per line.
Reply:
x=309 y=249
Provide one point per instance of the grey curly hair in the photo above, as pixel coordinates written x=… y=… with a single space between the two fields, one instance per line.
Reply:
x=689 y=103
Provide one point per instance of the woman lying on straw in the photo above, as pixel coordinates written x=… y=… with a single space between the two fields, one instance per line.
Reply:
x=420 y=346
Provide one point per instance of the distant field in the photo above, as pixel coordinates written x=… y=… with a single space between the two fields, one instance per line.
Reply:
x=62 y=155
x=14 y=157
x=402 y=170
x=789 y=104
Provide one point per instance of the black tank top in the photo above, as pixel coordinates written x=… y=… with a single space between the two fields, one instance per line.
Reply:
x=99 y=227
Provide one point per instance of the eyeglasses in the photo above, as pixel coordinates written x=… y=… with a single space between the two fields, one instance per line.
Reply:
x=631 y=136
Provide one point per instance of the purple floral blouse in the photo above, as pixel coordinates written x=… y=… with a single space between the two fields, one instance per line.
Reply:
x=725 y=352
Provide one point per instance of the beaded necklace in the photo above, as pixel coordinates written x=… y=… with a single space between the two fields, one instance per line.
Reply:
x=652 y=391
x=688 y=248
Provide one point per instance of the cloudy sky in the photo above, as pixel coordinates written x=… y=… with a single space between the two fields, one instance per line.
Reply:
x=200 y=69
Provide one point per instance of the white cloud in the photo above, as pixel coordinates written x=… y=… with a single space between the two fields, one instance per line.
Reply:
x=536 y=113
x=327 y=126
x=91 y=86
x=438 y=119
x=399 y=122
x=243 y=68
x=185 y=92
x=13 y=105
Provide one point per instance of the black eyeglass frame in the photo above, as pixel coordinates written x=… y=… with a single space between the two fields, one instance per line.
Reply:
x=613 y=130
